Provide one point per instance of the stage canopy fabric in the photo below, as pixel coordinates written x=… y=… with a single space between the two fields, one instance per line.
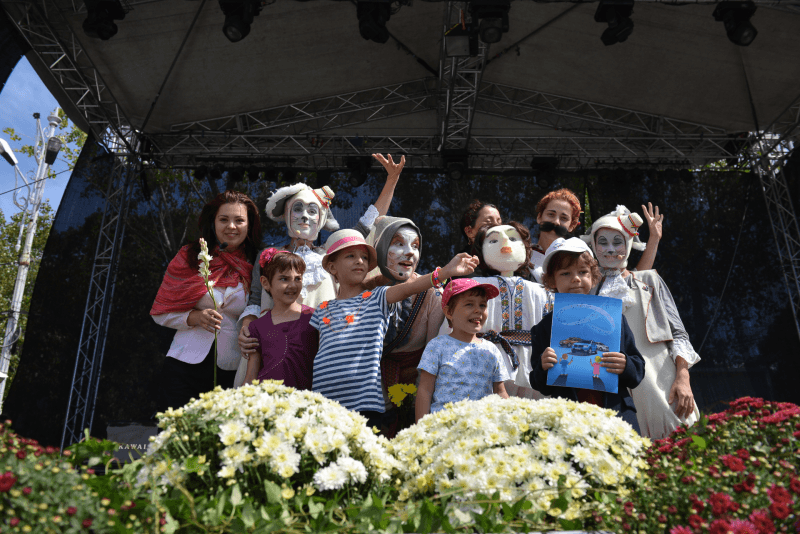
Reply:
x=678 y=63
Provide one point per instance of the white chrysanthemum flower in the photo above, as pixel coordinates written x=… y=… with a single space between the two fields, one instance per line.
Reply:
x=332 y=477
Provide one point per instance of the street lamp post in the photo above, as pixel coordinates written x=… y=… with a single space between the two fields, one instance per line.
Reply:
x=45 y=151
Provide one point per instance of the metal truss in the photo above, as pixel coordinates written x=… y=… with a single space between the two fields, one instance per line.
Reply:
x=782 y=216
x=89 y=359
x=55 y=44
x=485 y=152
x=327 y=113
x=459 y=80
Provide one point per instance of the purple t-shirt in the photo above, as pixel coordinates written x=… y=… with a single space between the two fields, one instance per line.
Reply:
x=287 y=349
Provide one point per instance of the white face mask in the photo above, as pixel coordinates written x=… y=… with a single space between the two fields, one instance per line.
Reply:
x=611 y=249
x=503 y=249
x=403 y=254
x=304 y=219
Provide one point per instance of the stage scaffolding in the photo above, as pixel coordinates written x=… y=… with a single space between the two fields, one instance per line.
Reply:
x=586 y=135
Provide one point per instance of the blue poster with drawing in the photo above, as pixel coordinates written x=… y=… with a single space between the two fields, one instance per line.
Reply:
x=584 y=327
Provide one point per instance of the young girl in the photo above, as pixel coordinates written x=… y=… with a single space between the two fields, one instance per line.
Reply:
x=461 y=365
x=288 y=342
x=570 y=267
x=352 y=327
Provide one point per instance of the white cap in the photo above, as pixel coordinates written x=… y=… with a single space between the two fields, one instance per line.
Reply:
x=573 y=244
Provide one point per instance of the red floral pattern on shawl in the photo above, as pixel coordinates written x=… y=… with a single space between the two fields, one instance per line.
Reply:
x=183 y=286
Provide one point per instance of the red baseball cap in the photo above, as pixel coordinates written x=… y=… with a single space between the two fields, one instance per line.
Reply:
x=459 y=285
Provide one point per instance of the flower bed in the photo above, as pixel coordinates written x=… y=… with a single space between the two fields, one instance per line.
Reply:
x=565 y=458
x=735 y=471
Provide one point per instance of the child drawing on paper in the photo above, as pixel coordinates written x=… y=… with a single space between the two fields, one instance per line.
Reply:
x=564 y=363
x=596 y=367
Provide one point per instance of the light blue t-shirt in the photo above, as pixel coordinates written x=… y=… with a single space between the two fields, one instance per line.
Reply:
x=462 y=370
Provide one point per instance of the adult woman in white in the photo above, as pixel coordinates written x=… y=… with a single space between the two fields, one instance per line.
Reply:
x=664 y=399
x=306 y=211
x=231 y=226
x=504 y=252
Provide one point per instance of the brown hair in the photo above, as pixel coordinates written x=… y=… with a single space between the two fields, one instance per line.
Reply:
x=470 y=216
x=562 y=260
x=561 y=194
x=205 y=223
x=282 y=262
x=451 y=304
x=477 y=250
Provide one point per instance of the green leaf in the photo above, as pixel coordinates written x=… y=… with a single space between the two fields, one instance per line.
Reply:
x=248 y=515
x=571 y=524
x=221 y=504
x=236 y=496
x=315 y=508
x=561 y=503
x=698 y=442
x=191 y=464
x=172 y=525
x=273 y=491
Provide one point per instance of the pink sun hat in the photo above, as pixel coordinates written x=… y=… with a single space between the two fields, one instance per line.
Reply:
x=459 y=285
x=343 y=239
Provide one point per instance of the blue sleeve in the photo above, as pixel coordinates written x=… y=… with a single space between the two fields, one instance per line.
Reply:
x=431 y=357
x=315 y=319
x=634 y=363
x=254 y=299
x=379 y=293
x=500 y=372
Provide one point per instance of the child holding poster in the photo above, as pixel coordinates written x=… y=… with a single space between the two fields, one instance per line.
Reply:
x=570 y=267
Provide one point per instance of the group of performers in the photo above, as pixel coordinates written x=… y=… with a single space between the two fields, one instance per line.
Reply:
x=353 y=318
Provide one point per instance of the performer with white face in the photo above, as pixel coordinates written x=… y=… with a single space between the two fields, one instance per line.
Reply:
x=504 y=252
x=304 y=218
x=664 y=399
x=397 y=242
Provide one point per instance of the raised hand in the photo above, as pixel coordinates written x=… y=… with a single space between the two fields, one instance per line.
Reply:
x=462 y=264
x=654 y=221
x=391 y=167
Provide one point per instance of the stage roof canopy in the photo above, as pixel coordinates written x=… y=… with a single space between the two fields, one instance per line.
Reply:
x=549 y=87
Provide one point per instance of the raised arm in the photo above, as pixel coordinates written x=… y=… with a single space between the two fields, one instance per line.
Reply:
x=394 y=169
x=462 y=264
x=655 y=222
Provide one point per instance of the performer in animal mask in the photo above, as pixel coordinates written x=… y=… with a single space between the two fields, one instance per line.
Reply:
x=397 y=241
x=306 y=211
x=664 y=399
x=504 y=252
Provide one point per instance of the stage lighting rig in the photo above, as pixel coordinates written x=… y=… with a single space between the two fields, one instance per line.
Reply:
x=736 y=18
x=493 y=17
x=239 y=16
x=461 y=42
x=100 y=17
x=372 y=19
x=617 y=13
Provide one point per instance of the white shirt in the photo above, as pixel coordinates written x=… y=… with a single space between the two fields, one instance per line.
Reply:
x=192 y=343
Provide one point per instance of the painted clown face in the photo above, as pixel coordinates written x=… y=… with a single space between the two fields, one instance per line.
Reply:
x=503 y=249
x=403 y=254
x=303 y=217
x=611 y=249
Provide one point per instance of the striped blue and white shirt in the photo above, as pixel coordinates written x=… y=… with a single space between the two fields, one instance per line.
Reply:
x=347 y=368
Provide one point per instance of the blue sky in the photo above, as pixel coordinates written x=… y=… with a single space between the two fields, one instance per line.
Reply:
x=23 y=95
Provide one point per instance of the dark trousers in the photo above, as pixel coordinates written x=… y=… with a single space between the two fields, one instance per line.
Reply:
x=181 y=381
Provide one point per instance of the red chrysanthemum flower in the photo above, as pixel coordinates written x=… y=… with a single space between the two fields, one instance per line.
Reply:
x=87 y=523
x=794 y=485
x=719 y=503
x=21 y=454
x=681 y=529
x=719 y=526
x=763 y=522
x=740 y=526
x=779 y=494
x=7 y=481
x=733 y=463
x=27 y=490
x=744 y=454
x=695 y=521
x=72 y=510
x=780 y=510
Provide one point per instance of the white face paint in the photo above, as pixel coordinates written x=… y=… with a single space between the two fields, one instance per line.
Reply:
x=403 y=254
x=304 y=219
x=503 y=249
x=610 y=247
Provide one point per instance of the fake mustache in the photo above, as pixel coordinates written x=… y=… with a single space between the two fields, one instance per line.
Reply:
x=561 y=231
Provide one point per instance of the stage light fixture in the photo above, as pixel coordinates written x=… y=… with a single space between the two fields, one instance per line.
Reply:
x=239 y=16
x=461 y=42
x=456 y=170
x=201 y=172
x=100 y=17
x=616 y=13
x=493 y=17
x=372 y=19
x=216 y=172
x=736 y=18
x=359 y=169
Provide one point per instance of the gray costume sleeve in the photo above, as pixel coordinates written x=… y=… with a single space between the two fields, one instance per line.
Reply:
x=681 y=345
x=255 y=286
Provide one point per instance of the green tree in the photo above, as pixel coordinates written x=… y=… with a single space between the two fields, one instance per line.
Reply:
x=9 y=258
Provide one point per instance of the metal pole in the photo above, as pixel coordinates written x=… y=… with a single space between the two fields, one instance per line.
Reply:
x=33 y=203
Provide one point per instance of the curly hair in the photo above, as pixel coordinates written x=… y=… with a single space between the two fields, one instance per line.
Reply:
x=561 y=194
x=477 y=249
x=470 y=216
x=564 y=260
x=207 y=218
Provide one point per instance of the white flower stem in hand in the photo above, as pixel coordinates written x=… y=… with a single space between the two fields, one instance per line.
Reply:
x=205 y=271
